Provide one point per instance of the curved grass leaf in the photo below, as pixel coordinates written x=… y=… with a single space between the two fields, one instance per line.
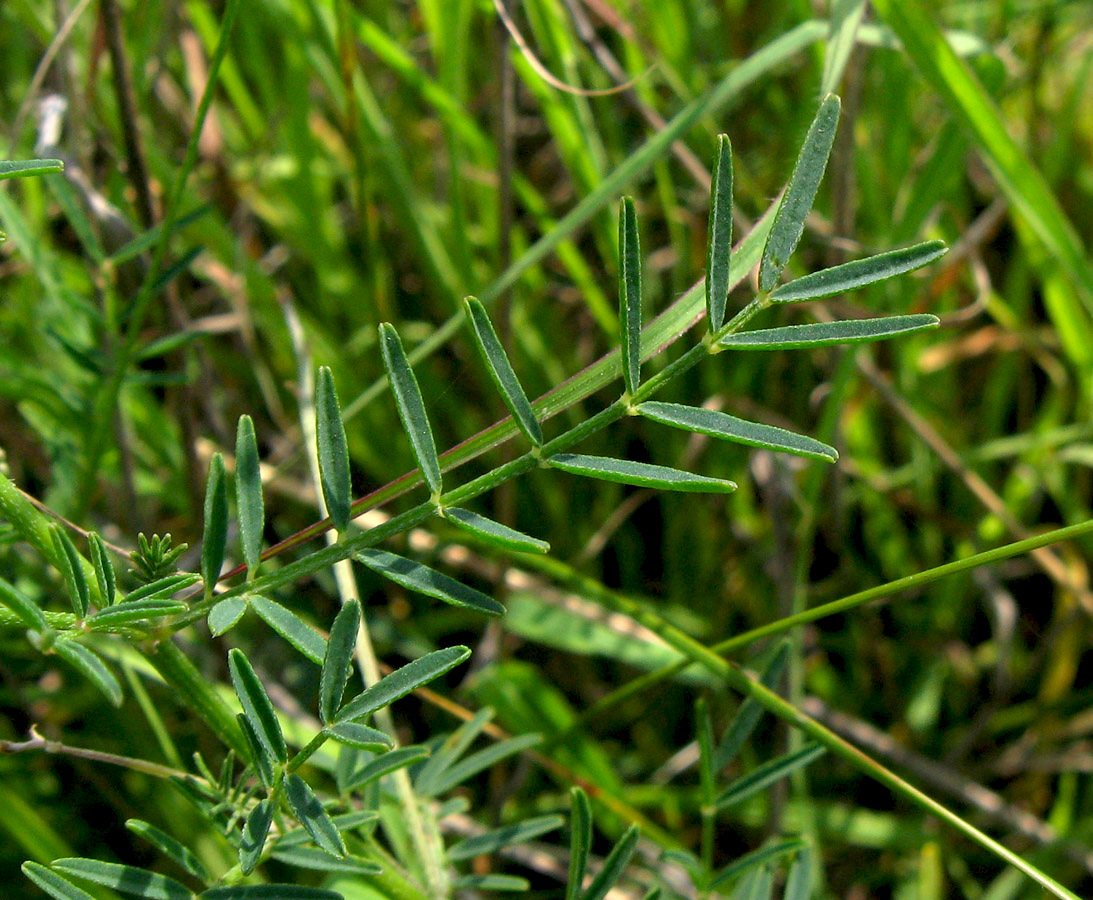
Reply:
x=53 y=884
x=495 y=532
x=20 y=168
x=215 y=537
x=384 y=765
x=254 y=835
x=319 y=860
x=104 y=569
x=162 y=587
x=248 y=494
x=493 y=841
x=71 y=566
x=127 y=879
x=800 y=193
x=625 y=471
x=580 y=842
x=257 y=707
x=169 y=847
x=291 y=627
x=501 y=371
x=755 y=858
x=630 y=294
x=338 y=659
x=359 y=736
x=411 y=408
x=333 y=451
x=260 y=756
x=225 y=614
x=821 y=334
x=747 y=717
x=268 y=892
x=491 y=883
x=92 y=667
x=858 y=273
x=799 y=881
x=719 y=236
x=401 y=682
x=151 y=608
x=613 y=866
x=765 y=775
x=419 y=578
x=729 y=428
x=312 y=816
x=477 y=762
x=20 y=604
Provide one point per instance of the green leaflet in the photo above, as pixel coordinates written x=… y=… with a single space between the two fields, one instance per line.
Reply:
x=25 y=608
x=719 y=236
x=754 y=859
x=512 y=883
x=495 y=532
x=162 y=587
x=93 y=668
x=624 y=471
x=416 y=577
x=71 y=566
x=799 y=882
x=259 y=754
x=248 y=494
x=411 y=408
x=749 y=713
x=493 y=841
x=765 y=775
x=312 y=816
x=401 y=682
x=104 y=569
x=169 y=847
x=459 y=772
x=384 y=765
x=580 y=841
x=127 y=879
x=758 y=885
x=20 y=168
x=215 y=537
x=136 y=611
x=819 y=334
x=268 y=892
x=310 y=858
x=630 y=294
x=729 y=428
x=454 y=746
x=254 y=835
x=53 y=884
x=225 y=614
x=360 y=736
x=859 y=273
x=338 y=659
x=290 y=626
x=257 y=707
x=800 y=193
x=333 y=451
x=501 y=371
x=613 y=866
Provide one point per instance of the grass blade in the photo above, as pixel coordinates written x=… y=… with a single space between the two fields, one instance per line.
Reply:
x=411 y=408
x=757 y=858
x=501 y=371
x=127 y=879
x=226 y=614
x=495 y=532
x=729 y=428
x=800 y=193
x=168 y=846
x=719 y=236
x=419 y=578
x=338 y=659
x=257 y=707
x=291 y=627
x=312 y=816
x=384 y=765
x=25 y=608
x=580 y=842
x=859 y=273
x=254 y=835
x=360 y=736
x=93 y=668
x=333 y=451
x=248 y=494
x=493 y=841
x=21 y=168
x=630 y=294
x=821 y=334
x=215 y=537
x=53 y=884
x=71 y=566
x=765 y=775
x=613 y=866
x=104 y=569
x=401 y=682
x=625 y=471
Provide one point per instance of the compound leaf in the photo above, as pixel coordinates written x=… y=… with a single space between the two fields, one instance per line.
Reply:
x=420 y=578
x=625 y=471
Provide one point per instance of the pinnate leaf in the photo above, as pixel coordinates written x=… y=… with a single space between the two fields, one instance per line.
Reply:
x=333 y=451
x=411 y=408
x=789 y=220
x=721 y=425
x=248 y=494
x=820 y=334
x=127 y=879
x=719 y=237
x=625 y=471
x=858 y=273
x=338 y=659
x=215 y=537
x=501 y=371
x=401 y=682
x=257 y=707
x=420 y=578
x=291 y=627
x=93 y=668
x=312 y=816
x=630 y=294
x=495 y=532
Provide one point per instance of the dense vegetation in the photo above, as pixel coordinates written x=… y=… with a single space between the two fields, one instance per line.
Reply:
x=166 y=303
